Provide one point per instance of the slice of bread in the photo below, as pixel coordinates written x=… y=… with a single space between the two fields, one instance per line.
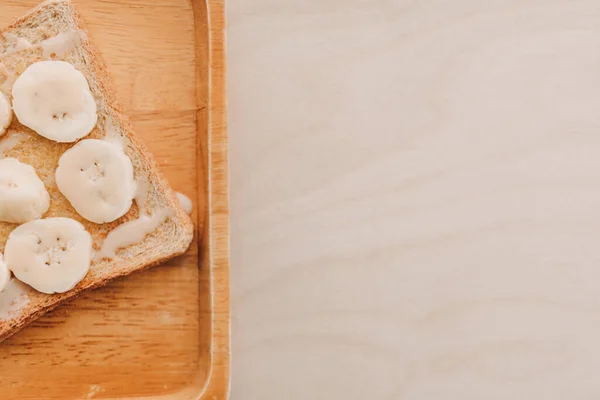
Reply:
x=170 y=239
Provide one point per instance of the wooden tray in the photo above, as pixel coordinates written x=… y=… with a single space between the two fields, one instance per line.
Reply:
x=164 y=333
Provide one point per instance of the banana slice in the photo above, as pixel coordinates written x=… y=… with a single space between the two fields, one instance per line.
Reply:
x=54 y=99
x=4 y=274
x=51 y=255
x=5 y=114
x=96 y=176
x=23 y=196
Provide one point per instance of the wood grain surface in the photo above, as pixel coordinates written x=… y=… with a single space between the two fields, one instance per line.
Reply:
x=164 y=333
x=415 y=199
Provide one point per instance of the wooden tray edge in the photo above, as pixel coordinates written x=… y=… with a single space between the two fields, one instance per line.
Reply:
x=217 y=222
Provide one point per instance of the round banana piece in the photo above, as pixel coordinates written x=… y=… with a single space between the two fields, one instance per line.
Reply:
x=54 y=99
x=4 y=274
x=96 y=176
x=51 y=255
x=23 y=196
x=5 y=114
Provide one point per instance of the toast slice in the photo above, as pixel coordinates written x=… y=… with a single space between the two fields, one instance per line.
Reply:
x=20 y=46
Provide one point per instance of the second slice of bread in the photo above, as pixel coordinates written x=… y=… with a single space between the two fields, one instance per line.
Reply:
x=170 y=239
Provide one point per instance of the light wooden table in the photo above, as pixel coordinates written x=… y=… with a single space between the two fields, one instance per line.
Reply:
x=415 y=199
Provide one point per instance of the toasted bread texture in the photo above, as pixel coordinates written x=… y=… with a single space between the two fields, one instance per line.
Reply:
x=170 y=239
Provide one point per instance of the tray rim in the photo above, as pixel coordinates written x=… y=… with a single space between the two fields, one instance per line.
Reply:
x=217 y=384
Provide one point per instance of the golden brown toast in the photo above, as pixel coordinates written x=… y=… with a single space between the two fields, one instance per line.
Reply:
x=170 y=239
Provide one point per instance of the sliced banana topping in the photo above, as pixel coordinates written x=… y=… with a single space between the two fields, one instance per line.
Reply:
x=5 y=114
x=54 y=99
x=51 y=255
x=23 y=196
x=96 y=176
x=4 y=274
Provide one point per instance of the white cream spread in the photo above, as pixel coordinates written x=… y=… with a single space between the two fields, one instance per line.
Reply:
x=185 y=203
x=111 y=134
x=141 y=194
x=13 y=298
x=18 y=43
x=10 y=142
x=61 y=44
x=132 y=232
